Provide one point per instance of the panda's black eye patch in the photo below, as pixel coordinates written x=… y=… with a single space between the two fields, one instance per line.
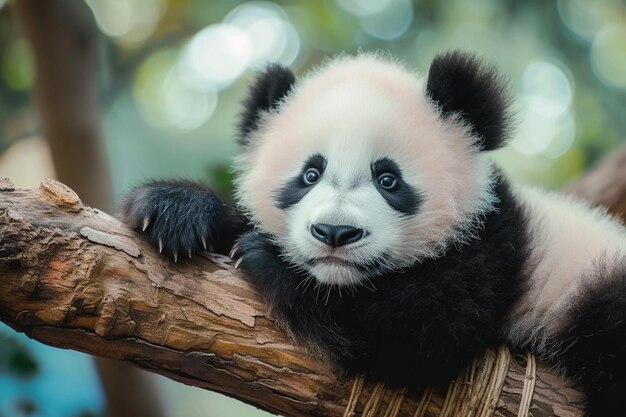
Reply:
x=387 y=178
x=296 y=188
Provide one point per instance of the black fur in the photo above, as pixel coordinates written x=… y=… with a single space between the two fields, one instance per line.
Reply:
x=402 y=197
x=270 y=87
x=592 y=347
x=462 y=84
x=295 y=189
x=440 y=313
x=180 y=214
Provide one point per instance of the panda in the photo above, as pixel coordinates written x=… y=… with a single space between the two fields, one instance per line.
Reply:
x=376 y=225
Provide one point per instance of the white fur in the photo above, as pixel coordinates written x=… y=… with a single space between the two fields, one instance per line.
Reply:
x=570 y=241
x=354 y=111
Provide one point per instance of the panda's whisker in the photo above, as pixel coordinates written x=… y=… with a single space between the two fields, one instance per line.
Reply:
x=302 y=282
x=329 y=289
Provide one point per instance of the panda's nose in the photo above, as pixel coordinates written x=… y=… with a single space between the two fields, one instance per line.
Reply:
x=336 y=235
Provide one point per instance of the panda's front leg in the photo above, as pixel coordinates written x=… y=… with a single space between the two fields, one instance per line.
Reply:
x=293 y=297
x=181 y=218
x=259 y=259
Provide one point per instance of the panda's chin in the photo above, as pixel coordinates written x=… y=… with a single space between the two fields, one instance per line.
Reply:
x=336 y=273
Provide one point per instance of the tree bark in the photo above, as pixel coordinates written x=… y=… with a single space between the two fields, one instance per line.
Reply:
x=74 y=277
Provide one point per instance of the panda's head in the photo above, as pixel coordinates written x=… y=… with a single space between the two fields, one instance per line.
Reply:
x=363 y=167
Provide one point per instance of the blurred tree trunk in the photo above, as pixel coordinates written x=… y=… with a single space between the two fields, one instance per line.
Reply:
x=64 y=43
x=63 y=38
x=604 y=184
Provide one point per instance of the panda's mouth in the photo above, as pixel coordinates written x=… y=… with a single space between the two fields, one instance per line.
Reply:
x=336 y=261
x=332 y=260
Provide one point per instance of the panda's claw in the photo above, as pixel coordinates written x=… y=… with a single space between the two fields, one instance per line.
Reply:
x=146 y=223
x=175 y=253
x=189 y=253
x=234 y=250
x=238 y=263
x=204 y=245
x=160 y=245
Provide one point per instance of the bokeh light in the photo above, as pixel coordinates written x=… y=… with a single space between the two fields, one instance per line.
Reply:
x=166 y=98
x=272 y=36
x=546 y=123
x=130 y=22
x=608 y=55
x=389 y=22
x=364 y=7
x=547 y=88
x=185 y=106
x=217 y=56
x=581 y=19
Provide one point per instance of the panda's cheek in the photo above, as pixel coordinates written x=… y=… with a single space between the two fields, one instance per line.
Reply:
x=297 y=221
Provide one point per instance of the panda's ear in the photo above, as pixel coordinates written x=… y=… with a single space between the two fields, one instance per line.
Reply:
x=462 y=84
x=271 y=85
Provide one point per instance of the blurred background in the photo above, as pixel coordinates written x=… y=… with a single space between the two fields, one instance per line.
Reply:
x=103 y=94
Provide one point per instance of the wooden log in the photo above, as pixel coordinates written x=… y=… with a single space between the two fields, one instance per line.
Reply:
x=74 y=277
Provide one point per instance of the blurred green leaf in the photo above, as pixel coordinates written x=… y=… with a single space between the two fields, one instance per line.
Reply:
x=89 y=413
x=17 y=66
x=222 y=178
x=15 y=358
x=26 y=407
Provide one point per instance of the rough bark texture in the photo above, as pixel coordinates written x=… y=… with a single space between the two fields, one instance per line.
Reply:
x=74 y=277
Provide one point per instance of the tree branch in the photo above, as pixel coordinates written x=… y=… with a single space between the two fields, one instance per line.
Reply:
x=74 y=277
x=605 y=184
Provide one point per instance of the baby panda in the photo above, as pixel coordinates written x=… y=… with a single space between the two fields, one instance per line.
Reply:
x=375 y=224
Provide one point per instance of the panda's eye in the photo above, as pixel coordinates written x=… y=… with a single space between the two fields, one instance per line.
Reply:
x=311 y=176
x=387 y=181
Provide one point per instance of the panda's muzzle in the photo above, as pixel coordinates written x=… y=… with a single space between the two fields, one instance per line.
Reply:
x=336 y=236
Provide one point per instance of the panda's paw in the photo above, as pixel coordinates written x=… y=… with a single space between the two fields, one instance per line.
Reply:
x=179 y=218
x=258 y=258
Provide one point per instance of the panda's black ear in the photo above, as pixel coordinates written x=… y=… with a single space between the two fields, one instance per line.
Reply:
x=271 y=85
x=462 y=84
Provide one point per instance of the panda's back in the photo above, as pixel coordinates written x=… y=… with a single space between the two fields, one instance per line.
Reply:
x=573 y=247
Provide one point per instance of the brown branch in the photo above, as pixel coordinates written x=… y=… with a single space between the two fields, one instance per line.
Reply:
x=74 y=277
x=605 y=184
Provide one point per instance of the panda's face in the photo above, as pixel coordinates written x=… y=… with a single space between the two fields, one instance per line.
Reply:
x=357 y=174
